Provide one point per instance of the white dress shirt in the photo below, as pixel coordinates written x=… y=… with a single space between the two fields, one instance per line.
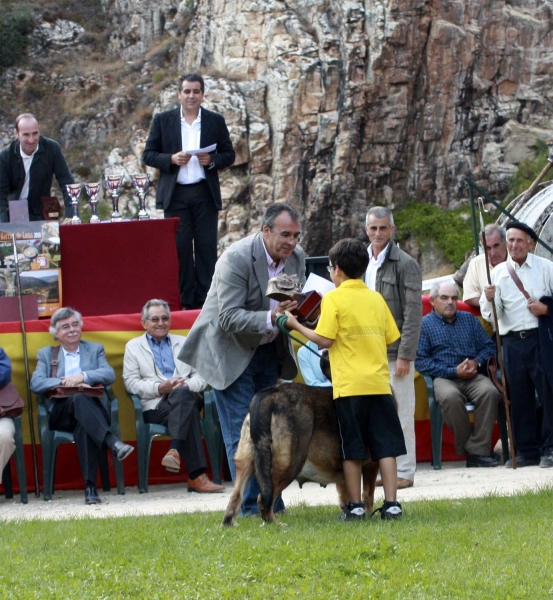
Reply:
x=374 y=265
x=73 y=363
x=513 y=314
x=27 y=161
x=193 y=172
x=273 y=270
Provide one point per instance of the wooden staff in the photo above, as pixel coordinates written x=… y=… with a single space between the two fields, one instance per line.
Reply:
x=506 y=400
x=26 y=362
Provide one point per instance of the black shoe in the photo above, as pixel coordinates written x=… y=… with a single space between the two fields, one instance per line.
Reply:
x=389 y=511
x=523 y=462
x=122 y=450
x=546 y=460
x=475 y=460
x=91 y=495
x=352 y=512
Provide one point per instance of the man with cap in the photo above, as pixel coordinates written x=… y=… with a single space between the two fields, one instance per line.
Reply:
x=518 y=315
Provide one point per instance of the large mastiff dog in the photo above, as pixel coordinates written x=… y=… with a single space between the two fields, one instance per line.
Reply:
x=291 y=432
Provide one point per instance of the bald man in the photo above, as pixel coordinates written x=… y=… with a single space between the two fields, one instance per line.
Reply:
x=27 y=167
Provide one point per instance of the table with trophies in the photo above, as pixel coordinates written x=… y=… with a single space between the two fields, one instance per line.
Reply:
x=114 y=267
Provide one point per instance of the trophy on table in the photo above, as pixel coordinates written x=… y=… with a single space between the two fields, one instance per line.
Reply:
x=74 y=191
x=141 y=183
x=93 y=189
x=114 y=179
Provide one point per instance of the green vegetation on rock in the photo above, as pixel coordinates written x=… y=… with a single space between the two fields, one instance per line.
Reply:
x=16 y=23
x=529 y=169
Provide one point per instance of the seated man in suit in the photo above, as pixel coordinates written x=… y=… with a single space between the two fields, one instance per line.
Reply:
x=7 y=428
x=452 y=347
x=76 y=362
x=169 y=392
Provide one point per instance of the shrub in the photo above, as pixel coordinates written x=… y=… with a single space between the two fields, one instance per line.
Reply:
x=16 y=23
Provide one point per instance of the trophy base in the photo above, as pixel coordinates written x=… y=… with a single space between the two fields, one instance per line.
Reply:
x=94 y=219
x=75 y=221
x=143 y=215
x=116 y=218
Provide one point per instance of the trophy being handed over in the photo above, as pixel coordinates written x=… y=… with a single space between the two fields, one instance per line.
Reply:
x=141 y=183
x=93 y=189
x=74 y=191
x=114 y=179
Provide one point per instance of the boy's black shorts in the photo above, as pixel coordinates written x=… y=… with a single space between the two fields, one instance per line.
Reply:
x=369 y=422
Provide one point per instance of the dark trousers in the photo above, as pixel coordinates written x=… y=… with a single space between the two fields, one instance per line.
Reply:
x=88 y=420
x=179 y=411
x=525 y=376
x=196 y=240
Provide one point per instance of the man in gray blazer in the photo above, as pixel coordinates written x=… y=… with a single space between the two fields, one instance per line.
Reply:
x=169 y=392
x=234 y=342
x=78 y=363
x=188 y=186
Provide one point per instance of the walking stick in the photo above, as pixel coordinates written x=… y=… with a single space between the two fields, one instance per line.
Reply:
x=506 y=400
x=26 y=362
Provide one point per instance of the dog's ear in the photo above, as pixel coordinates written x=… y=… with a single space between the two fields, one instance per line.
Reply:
x=325 y=365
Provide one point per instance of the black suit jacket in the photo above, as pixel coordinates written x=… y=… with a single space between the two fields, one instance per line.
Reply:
x=165 y=140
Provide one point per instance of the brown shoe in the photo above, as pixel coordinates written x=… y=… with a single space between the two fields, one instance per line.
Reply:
x=404 y=483
x=401 y=483
x=171 y=461
x=202 y=485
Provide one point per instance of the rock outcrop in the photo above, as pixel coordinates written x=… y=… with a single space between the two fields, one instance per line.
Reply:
x=336 y=105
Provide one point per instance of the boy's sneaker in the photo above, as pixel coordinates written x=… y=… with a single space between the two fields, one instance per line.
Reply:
x=389 y=511
x=352 y=512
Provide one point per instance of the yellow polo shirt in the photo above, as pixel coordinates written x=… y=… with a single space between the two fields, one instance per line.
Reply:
x=362 y=326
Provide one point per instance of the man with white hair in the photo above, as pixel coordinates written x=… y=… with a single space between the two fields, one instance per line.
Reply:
x=452 y=346
x=397 y=276
x=78 y=363
x=527 y=360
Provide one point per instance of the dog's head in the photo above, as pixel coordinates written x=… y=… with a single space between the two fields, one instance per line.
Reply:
x=325 y=365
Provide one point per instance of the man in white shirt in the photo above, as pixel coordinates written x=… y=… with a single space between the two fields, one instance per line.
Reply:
x=27 y=167
x=397 y=276
x=188 y=186
x=518 y=321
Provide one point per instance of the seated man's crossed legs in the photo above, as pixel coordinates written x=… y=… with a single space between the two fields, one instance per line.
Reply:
x=473 y=440
x=179 y=411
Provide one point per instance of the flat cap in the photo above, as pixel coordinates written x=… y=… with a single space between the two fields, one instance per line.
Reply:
x=523 y=227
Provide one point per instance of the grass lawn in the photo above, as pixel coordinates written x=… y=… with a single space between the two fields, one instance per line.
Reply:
x=483 y=548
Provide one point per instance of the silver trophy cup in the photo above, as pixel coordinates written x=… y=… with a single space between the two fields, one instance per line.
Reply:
x=74 y=191
x=93 y=189
x=113 y=183
x=141 y=183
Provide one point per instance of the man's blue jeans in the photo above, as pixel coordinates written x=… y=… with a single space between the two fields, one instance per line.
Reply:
x=233 y=404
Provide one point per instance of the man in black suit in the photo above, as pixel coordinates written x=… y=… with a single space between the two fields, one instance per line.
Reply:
x=188 y=186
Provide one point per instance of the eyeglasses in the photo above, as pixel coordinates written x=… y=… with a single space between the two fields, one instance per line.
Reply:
x=289 y=237
x=329 y=268
x=158 y=319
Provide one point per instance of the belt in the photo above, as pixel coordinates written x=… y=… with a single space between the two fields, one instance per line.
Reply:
x=189 y=185
x=525 y=333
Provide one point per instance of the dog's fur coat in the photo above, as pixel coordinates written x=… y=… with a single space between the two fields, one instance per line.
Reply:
x=291 y=432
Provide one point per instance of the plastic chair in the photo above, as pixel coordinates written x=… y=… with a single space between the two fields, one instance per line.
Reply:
x=19 y=457
x=146 y=432
x=51 y=439
x=437 y=425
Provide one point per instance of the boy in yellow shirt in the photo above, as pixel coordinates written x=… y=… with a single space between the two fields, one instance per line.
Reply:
x=356 y=326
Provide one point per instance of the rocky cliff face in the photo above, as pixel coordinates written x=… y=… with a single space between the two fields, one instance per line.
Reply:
x=335 y=105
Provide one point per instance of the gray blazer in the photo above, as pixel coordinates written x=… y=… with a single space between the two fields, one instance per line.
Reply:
x=93 y=363
x=227 y=332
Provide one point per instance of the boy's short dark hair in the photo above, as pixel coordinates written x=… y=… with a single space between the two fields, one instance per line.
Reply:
x=351 y=256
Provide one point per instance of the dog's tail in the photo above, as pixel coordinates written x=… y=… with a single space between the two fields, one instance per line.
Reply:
x=261 y=412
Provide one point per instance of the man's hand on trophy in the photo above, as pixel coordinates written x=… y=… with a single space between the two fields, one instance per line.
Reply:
x=281 y=308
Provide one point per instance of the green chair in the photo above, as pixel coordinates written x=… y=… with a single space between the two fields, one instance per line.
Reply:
x=51 y=439
x=146 y=432
x=437 y=424
x=19 y=457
